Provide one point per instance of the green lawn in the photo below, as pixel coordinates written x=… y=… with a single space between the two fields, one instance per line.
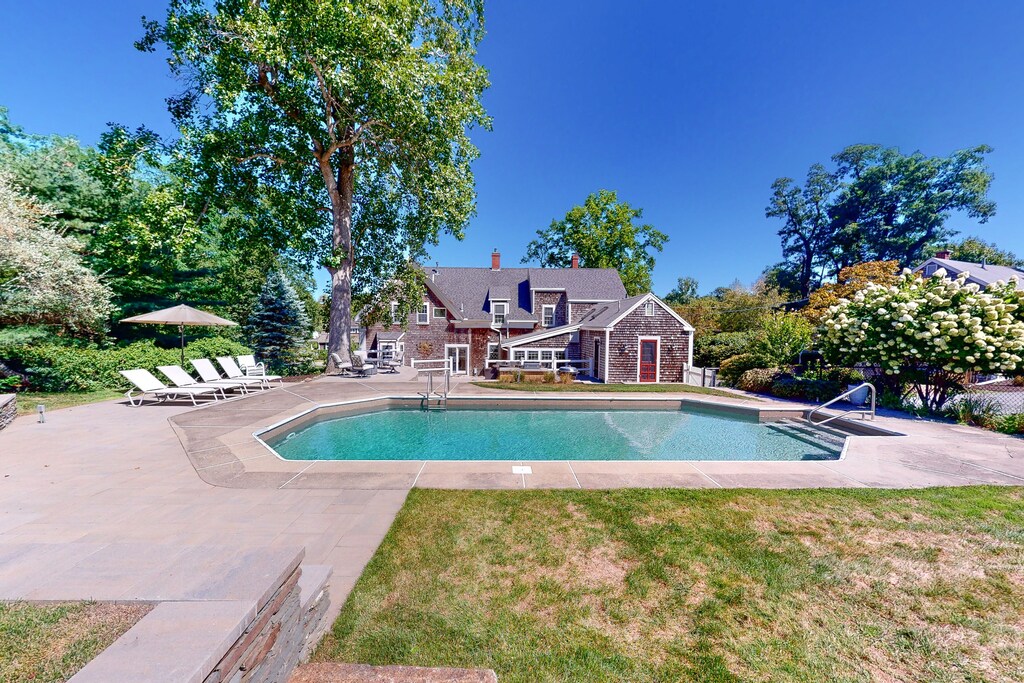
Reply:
x=709 y=585
x=52 y=642
x=613 y=388
x=28 y=401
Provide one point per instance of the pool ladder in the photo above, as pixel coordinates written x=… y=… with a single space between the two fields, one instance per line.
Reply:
x=436 y=399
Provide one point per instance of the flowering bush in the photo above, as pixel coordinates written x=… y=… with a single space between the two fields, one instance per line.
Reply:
x=929 y=331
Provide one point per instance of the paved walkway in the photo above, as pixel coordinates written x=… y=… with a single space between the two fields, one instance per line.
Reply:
x=107 y=474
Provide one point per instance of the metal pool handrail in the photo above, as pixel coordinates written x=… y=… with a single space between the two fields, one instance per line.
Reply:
x=863 y=413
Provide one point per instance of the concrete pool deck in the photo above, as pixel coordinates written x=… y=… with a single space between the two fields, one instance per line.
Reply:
x=108 y=479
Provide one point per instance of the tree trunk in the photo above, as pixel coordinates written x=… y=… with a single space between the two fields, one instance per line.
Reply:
x=341 y=191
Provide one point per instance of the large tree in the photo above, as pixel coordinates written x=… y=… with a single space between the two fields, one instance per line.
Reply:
x=877 y=204
x=604 y=232
x=807 y=230
x=977 y=250
x=355 y=110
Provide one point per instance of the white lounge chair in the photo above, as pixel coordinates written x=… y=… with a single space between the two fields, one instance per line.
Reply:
x=180 y=378
x=231 y=369
x=250 y=366
x=210 y=375
x=146 y=383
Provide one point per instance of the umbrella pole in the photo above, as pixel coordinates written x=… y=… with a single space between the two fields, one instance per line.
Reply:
x=181 y=328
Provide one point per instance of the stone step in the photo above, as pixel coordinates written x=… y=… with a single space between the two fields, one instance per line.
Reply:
x=325 y=672
x=312 y=582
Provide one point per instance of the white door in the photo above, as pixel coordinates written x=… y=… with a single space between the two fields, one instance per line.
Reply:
x=459 y=356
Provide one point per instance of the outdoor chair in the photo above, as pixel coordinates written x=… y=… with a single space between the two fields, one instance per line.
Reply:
x=250 y=366
x=180 y=378
x=344 y=368
x=364 y=367
x=146 y=383
x=210 y=375
x=231 y=369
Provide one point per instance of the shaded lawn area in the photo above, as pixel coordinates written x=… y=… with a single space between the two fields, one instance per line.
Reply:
x=613 y=388
x=709 y=585
x=52 y=642
x=28 y=400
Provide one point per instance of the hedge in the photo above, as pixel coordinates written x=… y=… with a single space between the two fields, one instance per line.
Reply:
x=52 y=367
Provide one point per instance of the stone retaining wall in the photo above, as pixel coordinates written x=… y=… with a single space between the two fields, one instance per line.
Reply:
x=277 y=639
x=8 y=409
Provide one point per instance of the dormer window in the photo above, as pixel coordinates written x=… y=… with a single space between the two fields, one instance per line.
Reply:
x=499 y=310
x=395 y=320
x=547 y=315
x=649 y=309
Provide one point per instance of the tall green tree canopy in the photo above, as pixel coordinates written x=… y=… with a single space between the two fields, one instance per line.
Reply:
x=877 y=204
x=604 y=232
x=349 y=120
x=977 y=250
x=685 y=291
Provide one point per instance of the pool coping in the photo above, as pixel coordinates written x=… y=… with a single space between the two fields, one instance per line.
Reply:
x=231 y=451
x=764 y=414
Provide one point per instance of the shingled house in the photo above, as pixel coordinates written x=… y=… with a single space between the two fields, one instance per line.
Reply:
x=546 y=316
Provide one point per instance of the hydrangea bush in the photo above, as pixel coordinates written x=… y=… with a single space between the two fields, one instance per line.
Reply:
x=928 y=332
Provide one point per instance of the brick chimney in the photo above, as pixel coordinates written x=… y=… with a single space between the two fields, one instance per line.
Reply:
x=495 y=260
x=942 y=253
x=575 y=260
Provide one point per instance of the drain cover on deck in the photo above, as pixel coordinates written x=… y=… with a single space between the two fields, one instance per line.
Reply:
x=522 y=469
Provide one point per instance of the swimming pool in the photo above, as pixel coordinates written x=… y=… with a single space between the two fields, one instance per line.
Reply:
x=406 y=433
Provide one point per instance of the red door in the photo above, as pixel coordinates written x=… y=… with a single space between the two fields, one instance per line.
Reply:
x=649 y=360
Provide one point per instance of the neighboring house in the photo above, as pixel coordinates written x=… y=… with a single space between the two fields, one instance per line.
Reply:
x=547 y=316
x=981 y=274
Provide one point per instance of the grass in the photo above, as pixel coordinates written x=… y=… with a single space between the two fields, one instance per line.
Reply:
x=28 y=400
x=612 y=388
x=52 y=642
x=684 y=585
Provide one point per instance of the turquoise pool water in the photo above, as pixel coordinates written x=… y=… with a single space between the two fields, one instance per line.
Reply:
x=412 y=434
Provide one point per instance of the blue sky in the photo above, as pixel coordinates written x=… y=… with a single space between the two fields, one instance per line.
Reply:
x=688 y=110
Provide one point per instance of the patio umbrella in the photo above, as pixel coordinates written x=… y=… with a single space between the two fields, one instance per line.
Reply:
x=180 y=315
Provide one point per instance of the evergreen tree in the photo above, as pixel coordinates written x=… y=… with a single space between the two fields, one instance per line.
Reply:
x=278 y=328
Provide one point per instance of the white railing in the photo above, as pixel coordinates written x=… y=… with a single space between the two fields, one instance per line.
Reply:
x=552 y=364
x=432 y=364
x=853 y=411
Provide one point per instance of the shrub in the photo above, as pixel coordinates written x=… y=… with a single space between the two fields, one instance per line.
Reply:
x=782 y=338
x=844 y=376
x=974 y=410
x=549 y=378
x=712 y=350
x=758 y=380
x=566 y=378
x=817 y=390
x=1018 y=381
x=731 y=368
x=1010 y=424
x=51 y=367
x=506 y=378
x=931 y=331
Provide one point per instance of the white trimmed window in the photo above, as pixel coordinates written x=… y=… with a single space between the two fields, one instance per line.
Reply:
x=440 y=312
x=649 y=309
x=394 y=314
x=499 y=310
x=930 y=269
x=547 y=315
x=423 y=315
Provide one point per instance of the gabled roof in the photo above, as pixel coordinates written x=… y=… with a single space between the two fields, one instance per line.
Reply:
x=978 y=273
x=469 y=291
x=608 y=314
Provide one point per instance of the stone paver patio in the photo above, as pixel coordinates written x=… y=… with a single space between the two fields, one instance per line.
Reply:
x=186 y=481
